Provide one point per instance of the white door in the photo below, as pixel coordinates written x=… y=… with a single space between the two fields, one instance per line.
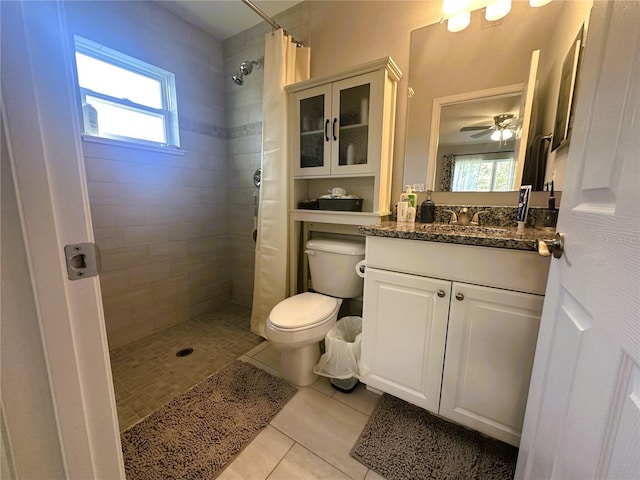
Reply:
x=583 y=411
x=42 y=127
x=403 y=335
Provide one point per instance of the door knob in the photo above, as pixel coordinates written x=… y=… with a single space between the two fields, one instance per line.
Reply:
x=553 y=246
x=459 y=297
x=441 y=293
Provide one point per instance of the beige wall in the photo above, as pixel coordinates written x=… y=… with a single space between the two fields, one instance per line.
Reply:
x=573 y=16
x=160 y=219
x=343 y=34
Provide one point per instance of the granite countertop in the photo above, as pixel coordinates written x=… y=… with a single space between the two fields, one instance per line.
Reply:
x=484 y=236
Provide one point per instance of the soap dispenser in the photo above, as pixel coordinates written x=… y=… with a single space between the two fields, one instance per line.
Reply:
x=428 y=209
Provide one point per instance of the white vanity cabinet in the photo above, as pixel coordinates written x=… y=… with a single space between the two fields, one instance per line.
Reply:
x=453 y=328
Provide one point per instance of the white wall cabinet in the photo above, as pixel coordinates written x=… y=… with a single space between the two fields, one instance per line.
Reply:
x=461 y=349
x=341 y=131
x=336 y=128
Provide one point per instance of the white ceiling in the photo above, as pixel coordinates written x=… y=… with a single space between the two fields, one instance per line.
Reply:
x=225 y=18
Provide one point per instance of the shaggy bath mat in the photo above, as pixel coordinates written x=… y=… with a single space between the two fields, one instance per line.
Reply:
x=402 y=441
x=198 y=433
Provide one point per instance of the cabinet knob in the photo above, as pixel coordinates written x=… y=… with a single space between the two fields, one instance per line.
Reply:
x=459 y=296
x=441 y=293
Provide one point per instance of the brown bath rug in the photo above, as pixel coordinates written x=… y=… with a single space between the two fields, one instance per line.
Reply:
x=403 y=442
x=198 y=433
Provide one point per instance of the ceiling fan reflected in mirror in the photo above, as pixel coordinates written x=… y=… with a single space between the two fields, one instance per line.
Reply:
x=503 y=128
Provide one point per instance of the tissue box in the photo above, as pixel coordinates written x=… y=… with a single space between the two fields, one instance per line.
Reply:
x=341 y=204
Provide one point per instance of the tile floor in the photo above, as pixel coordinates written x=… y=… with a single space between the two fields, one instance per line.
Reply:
x=147 y=373
x=310 y=438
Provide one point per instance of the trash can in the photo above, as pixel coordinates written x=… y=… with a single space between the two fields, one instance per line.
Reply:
x=341 y=360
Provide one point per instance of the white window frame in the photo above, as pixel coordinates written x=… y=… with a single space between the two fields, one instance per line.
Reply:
x=169 y=110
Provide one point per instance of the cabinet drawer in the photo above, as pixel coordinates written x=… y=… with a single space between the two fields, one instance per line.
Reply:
x=495 y=267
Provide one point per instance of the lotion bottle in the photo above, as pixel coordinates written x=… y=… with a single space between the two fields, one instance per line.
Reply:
x=408 y=196
x=411 y=214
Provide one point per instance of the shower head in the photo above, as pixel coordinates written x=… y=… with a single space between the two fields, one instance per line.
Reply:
x=245 y=69
x=237 y=79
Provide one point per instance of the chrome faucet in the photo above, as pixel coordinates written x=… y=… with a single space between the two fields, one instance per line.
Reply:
x=476 y=217
x=462 y=218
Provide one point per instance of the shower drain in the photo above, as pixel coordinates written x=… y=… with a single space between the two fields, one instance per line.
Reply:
x=184 y=352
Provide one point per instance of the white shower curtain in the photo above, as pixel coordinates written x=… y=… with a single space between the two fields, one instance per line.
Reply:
x=284 y=63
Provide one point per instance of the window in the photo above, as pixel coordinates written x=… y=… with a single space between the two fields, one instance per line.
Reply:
x=483 y=173
x=124 y=98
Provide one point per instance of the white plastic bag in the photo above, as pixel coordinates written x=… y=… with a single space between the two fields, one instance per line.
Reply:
x=342 y=345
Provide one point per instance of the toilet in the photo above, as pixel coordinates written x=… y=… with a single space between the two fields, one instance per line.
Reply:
x=297 y=324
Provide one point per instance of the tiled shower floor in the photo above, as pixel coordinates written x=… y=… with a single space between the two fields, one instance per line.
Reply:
x=147 y=373
x=310 y=438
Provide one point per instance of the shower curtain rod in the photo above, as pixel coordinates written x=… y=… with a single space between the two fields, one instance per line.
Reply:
x=268 y=19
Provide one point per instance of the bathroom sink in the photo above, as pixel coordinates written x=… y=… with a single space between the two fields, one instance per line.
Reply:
x=470 y=229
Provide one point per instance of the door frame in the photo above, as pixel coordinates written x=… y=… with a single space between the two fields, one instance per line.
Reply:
x=43 y=130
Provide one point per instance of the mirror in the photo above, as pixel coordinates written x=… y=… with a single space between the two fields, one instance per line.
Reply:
x=478 y=135
x=460 y=74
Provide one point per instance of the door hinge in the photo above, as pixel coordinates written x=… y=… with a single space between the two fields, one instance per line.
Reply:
x=83 y=260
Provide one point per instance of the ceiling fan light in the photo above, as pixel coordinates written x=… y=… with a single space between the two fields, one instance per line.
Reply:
x=506 y=134
x=452 y=7
x=497 y=10
x=459 y=22
x=538 y=3
x=496 y=136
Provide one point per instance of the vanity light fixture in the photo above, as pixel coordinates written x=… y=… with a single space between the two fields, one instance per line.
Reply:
x=458 y=14
x=459 y=22
x=538 y=3
x=453 y=7
x=497 y=10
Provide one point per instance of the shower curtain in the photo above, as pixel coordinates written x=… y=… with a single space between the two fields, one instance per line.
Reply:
x=284 y=63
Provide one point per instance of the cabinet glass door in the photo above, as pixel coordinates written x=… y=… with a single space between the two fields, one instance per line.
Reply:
x=354 y=125
x=310 y=130
x=313 y=131
x=357 y=110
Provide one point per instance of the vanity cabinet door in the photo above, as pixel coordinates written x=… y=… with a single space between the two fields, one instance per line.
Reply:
x=310 y=131
x=491 y=342
x=403 y=335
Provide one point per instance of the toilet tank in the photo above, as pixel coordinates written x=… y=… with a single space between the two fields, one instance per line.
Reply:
x=332 y=264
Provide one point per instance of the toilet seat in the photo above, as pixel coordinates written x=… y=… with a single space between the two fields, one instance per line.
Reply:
x=303 y=311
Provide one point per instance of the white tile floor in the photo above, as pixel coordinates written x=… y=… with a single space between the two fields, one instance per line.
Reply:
x=312 y=435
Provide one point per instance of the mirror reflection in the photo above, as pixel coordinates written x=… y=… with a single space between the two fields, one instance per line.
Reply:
x=446 y=72
x=476 y=144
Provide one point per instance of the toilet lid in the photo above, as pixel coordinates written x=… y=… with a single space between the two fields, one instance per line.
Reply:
x=303 y=310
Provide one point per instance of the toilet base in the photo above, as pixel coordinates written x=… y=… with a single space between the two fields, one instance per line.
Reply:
x=296 y=366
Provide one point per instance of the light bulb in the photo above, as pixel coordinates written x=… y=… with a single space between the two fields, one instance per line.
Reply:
x=538 y=3
x=496 y=136
x=452 y=7
x=506 y=134
x=497 y=10
x=459 y=22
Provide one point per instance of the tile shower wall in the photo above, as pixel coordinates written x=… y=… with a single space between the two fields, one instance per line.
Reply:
x=160 y=219
x=244 y=121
